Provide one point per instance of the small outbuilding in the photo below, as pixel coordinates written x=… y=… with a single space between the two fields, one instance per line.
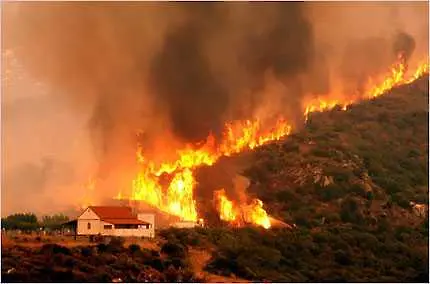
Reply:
x=114 y=221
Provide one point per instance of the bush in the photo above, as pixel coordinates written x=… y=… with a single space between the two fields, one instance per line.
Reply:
x=117 y=241
x=86 y=251
x=174 y=249
x=177 y=262
x=102 y=247
x=55 y=249
x=155 y=262
x=358 y=189
x=133 y=248
x=350 y=211
x=330 y=192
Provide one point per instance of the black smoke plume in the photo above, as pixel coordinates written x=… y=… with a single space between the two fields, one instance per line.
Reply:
x=183 y=79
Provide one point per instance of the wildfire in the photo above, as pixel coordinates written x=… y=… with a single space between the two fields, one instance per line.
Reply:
x=239 y=214
x=250 y=134
x=180 y=195
x=227 y=212
x=177 y=198
x=395 y=77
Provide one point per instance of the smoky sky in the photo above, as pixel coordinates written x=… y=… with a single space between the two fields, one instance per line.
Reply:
x=181 y=77
x=181 y=74
x=191 y=65
x=404 y=43
x=176 y=71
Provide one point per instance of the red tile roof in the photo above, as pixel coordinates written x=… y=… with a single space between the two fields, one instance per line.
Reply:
x=117 y=215
x=113 y=212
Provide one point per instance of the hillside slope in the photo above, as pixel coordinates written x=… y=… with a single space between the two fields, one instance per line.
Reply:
x=373 y=157
x=347 y=181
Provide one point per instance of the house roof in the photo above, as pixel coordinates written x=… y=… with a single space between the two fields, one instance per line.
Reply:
x=113 y=212
x=117 y=215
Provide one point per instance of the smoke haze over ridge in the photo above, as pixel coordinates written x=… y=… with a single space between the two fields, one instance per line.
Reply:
x=175 y=71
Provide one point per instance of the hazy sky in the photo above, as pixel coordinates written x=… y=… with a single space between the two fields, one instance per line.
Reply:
x=79 y=80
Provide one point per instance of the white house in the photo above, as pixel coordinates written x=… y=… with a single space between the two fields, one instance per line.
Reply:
x=114 y=221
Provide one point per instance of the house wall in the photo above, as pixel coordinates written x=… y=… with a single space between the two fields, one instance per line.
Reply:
x=107 y=232
x=148 y=233
x=149 y=218
x=89 y=217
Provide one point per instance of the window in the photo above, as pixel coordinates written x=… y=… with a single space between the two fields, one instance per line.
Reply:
x=126 y=226
x=108 y=227
x=89 y=226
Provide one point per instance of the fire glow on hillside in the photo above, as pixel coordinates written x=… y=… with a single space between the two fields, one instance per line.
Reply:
x=177 y=197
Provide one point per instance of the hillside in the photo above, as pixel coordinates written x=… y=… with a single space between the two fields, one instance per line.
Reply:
x=373 y=157
x=347 y=180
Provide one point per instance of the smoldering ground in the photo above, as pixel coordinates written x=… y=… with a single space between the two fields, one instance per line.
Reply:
x=180 y=70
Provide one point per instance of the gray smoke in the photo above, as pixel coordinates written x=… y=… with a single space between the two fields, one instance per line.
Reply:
x=186 y=68
x=404 y=44
x=183 y=78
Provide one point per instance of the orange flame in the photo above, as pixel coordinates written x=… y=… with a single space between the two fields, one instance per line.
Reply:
x=396 y=77
x=177 y=198
x=249 y=134
x=251 y=214
x=257 y=215
x=227 y=212
x=180 y=195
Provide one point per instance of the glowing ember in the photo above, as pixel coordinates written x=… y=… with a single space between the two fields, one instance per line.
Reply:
x=177 y=197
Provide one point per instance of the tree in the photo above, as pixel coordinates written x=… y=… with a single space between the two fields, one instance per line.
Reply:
x=20 y=221
x=55 y=221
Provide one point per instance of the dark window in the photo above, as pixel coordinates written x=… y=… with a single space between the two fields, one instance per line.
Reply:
x=126 y=226
x=89 y=226
x=108 y=227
